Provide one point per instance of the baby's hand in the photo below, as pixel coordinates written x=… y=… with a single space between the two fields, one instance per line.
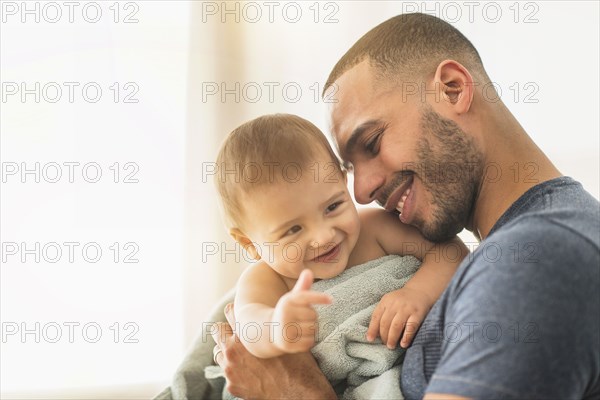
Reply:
x=400 y=311
x=294 y=317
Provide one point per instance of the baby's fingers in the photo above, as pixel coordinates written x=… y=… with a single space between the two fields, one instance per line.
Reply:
x=412 y=325
x=385 y=324
x=308 y=297
x=396 y=328
x=373 y=330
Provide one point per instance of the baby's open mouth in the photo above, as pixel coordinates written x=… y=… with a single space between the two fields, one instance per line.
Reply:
x=330 y=255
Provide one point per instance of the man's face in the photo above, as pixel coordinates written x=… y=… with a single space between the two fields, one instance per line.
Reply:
x=404 y=155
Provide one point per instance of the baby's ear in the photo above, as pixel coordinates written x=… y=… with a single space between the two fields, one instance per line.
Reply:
x=245 y=242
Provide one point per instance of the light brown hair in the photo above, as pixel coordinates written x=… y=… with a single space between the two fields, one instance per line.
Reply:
x=264 y=151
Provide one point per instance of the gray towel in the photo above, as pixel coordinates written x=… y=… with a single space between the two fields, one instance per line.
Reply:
x=356 y=368
x=369 y=369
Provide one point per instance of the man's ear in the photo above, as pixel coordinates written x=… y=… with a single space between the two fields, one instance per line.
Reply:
x=455 y=86
x=245 y=242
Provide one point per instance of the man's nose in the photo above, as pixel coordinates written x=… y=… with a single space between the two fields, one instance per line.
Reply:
x=366 y=185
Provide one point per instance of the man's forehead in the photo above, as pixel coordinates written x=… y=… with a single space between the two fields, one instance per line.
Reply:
x=348 y=96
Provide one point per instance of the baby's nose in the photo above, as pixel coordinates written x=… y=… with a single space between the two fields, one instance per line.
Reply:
x=324 y=238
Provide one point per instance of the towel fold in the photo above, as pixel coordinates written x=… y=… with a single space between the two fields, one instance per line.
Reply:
x=366 y=369
x=356 y=368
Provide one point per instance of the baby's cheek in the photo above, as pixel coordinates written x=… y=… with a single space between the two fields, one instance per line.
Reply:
x=353 y=228
x=290 y=253
x=268 y=252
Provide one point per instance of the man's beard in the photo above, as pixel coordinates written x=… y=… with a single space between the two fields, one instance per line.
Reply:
x=450 y=168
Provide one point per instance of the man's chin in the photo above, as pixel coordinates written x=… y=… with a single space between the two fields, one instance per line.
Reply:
x=437 y=234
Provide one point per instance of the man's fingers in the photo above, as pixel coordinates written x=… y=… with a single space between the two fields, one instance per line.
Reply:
x=218 y=354
x=305 y=281
x=229 y=314
x=220 y=332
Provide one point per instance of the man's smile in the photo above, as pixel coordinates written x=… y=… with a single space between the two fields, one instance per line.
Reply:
x=397 y=199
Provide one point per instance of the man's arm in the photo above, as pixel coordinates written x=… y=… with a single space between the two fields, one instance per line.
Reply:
x=291 y=376
x=516 y=321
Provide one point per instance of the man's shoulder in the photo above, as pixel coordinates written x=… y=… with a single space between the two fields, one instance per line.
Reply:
x=564 y=219
x=568 y=227
x=556 y=249
x=571 y=223
x=520 y=299
x=544 y=246
x=559 y=207
x=522 y=295
x=554 y=236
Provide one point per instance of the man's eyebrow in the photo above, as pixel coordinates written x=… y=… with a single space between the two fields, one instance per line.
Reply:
x=356 y=134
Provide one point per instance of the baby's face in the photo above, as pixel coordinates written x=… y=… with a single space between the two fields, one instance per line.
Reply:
x=309 y=223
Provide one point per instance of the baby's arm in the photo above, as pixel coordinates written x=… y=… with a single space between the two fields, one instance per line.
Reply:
x=401 y=312
x=263 y=302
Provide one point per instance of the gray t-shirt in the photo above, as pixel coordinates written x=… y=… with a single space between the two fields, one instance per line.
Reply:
x=521 y=317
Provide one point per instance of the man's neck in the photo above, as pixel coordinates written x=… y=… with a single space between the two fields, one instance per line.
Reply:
x=514 y=164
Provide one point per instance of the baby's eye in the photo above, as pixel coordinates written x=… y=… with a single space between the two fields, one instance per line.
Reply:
x=292 y=230
x=333 y=206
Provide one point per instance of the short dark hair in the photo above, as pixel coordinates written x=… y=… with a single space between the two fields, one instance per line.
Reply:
x=409 y=46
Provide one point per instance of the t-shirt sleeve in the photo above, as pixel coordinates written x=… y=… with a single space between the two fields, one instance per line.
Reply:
x=523 y=320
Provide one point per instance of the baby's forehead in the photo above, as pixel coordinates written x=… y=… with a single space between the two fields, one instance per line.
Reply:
x=260 y=174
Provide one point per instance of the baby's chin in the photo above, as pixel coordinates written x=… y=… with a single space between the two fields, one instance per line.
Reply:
x=322 y=272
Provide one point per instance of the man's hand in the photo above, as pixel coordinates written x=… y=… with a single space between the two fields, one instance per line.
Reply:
x=291 y=376
x=294 y=317
x=399 y=311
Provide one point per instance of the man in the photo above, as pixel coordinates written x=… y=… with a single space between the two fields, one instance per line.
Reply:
x=520 y=317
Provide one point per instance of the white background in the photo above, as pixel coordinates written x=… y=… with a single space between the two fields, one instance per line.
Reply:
x=175 y=55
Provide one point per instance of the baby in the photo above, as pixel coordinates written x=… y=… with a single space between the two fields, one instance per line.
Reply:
x=286 y=201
